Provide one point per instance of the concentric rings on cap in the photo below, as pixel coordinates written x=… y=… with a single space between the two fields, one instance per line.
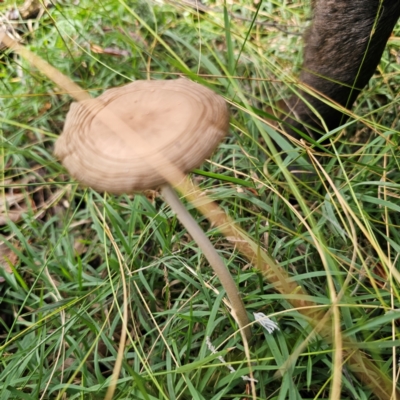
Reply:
x=126 y=139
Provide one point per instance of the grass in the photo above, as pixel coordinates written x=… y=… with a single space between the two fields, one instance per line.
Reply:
x=71 y=256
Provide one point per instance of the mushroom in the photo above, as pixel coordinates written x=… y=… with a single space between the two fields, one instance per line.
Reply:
x=148 y=134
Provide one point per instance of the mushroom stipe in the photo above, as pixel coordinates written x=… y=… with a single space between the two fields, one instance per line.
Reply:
x=148 y=134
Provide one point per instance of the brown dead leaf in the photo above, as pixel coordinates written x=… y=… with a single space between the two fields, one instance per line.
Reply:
x=46 y=107
x=7 y=258
x=32 y=8
x=115 y=51
x=10 y=199
x=151 y=195
x=12 y=206
x=111 y=51
x=380 y=271
x=19 y=197
x=96 y=49
x=13 y=216
x=253 y=191
x=79 y=246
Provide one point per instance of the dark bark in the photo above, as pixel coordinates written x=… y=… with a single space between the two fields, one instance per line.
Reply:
x=343 y=47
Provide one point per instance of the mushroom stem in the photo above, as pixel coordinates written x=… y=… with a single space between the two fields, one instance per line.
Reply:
x=212 y=256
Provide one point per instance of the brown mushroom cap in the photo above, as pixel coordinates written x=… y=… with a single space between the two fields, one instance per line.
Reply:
x=181 y=123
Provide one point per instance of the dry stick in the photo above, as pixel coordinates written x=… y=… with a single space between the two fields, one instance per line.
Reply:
x=362 y=366
x=54 y=74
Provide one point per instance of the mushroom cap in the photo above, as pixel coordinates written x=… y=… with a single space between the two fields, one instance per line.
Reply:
x=127 y=138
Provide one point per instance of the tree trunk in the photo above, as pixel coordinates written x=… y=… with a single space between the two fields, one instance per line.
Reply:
x=343 y=47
